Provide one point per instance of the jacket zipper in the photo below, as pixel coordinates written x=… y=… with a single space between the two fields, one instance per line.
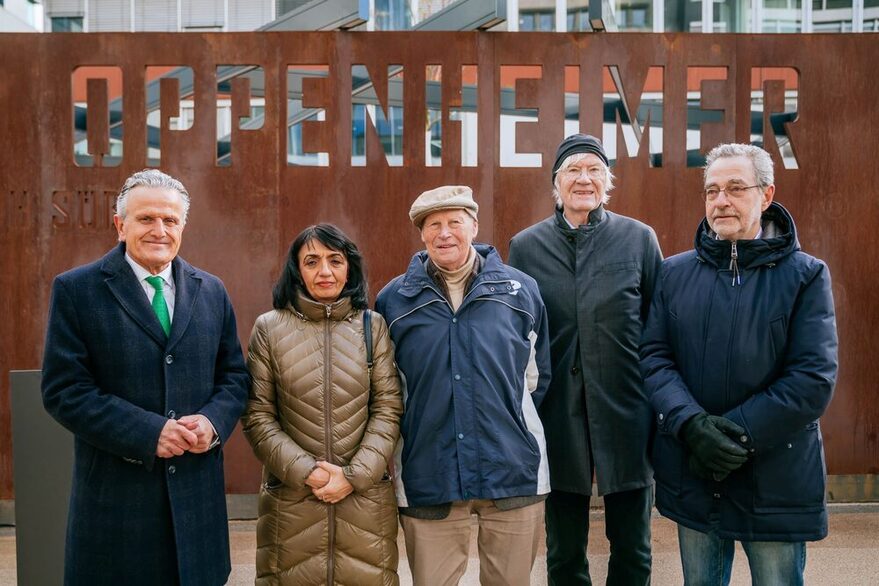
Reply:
x=734 y=265
x=730 y=367
x=328 y=437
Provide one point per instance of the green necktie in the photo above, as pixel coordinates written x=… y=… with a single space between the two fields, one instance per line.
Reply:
x=159 y=305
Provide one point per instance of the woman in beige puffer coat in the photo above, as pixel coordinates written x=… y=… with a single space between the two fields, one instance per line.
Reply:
x=323 y=427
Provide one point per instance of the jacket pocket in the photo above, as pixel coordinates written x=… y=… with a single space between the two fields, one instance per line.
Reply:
x=669 y=463
x=511 y=443
x=617 y=303
x=272 y=484
x=778 y=334
x=273 y=490
x=613 y=267
x=381 y=494
x=791 y=476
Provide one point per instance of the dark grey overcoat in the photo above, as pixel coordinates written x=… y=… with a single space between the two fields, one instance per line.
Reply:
x=112 y=377
x=596 y=282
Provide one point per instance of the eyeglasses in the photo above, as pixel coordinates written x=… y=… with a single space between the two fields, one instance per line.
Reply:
x=731 y=191
x=594 y=172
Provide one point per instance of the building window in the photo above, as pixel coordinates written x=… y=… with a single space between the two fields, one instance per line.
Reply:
x=683 y=16
x=578 y=20
x=871 y=16
x=66 y=24
x=782 y=16
x=634 y=15
x=393 y=15
x=731 y=17
x=537 y=20
x=832 y=16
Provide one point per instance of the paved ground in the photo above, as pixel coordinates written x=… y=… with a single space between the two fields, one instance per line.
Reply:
x=848 y=557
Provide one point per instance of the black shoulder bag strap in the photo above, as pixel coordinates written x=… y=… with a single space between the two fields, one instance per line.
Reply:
x=367 y=337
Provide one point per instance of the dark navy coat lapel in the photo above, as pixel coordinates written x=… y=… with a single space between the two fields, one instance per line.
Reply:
x=187 y=285
x=130 y=294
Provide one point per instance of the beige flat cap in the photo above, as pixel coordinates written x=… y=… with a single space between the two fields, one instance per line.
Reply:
x=447 y=197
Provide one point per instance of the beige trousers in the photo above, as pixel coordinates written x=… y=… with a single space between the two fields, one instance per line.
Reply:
x=438 y=550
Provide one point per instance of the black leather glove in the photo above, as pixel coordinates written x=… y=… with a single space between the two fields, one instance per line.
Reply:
x=707 y=436
x=700 y=470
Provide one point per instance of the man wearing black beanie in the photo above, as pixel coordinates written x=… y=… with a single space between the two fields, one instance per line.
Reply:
x=595 y=270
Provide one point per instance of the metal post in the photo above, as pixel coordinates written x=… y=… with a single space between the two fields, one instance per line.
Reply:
x=806 y=8
x=512 y=15
x=42 y=456
x=658 y=16
x=708 y=16
x=858 y=16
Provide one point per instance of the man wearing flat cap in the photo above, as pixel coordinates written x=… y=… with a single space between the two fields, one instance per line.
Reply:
x=596 y=271
x=472 y=345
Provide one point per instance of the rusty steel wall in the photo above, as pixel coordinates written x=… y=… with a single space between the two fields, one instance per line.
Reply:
x=56 y=215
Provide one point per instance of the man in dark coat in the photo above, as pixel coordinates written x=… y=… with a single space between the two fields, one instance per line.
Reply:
x=143 y=364
x=740 y=360
x=595 y=270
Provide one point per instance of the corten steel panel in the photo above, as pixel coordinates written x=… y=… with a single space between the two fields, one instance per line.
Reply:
x=244 y=216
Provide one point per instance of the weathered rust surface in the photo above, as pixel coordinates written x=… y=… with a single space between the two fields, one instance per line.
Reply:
x=56 y=215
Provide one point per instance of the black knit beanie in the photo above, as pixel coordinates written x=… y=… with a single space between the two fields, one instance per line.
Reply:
x=577 y=143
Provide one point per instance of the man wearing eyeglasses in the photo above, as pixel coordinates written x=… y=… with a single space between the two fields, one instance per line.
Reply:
x=596 y=271
x=739 y=359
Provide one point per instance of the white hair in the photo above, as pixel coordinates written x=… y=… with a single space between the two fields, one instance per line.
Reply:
x=570 y=160
x=759 y=158
x=150 y=178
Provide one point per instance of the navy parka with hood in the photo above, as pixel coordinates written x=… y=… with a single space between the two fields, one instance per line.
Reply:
x=752 y=339
x=473 y=380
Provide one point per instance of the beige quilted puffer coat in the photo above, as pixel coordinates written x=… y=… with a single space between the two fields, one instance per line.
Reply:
x=310 y=400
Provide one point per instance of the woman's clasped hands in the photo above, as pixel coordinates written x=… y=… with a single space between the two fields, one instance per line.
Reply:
x=328 y=483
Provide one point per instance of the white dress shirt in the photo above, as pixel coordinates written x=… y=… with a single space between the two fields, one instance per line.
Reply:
x=168 y=290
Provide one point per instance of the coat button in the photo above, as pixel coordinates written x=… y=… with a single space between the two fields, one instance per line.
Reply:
x=744 y=439
x=716 y=495
x=171 y=414
x=460 y=436
x=575 y=370
x=172 y=469
x=454 y=320
x=169 y=359
x=661 y=416
x=491 y=288
x=457 y=377
x=790 y=446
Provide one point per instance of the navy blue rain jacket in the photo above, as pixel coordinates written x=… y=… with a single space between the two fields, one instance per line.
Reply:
x=754 y=341
x=473 y=381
